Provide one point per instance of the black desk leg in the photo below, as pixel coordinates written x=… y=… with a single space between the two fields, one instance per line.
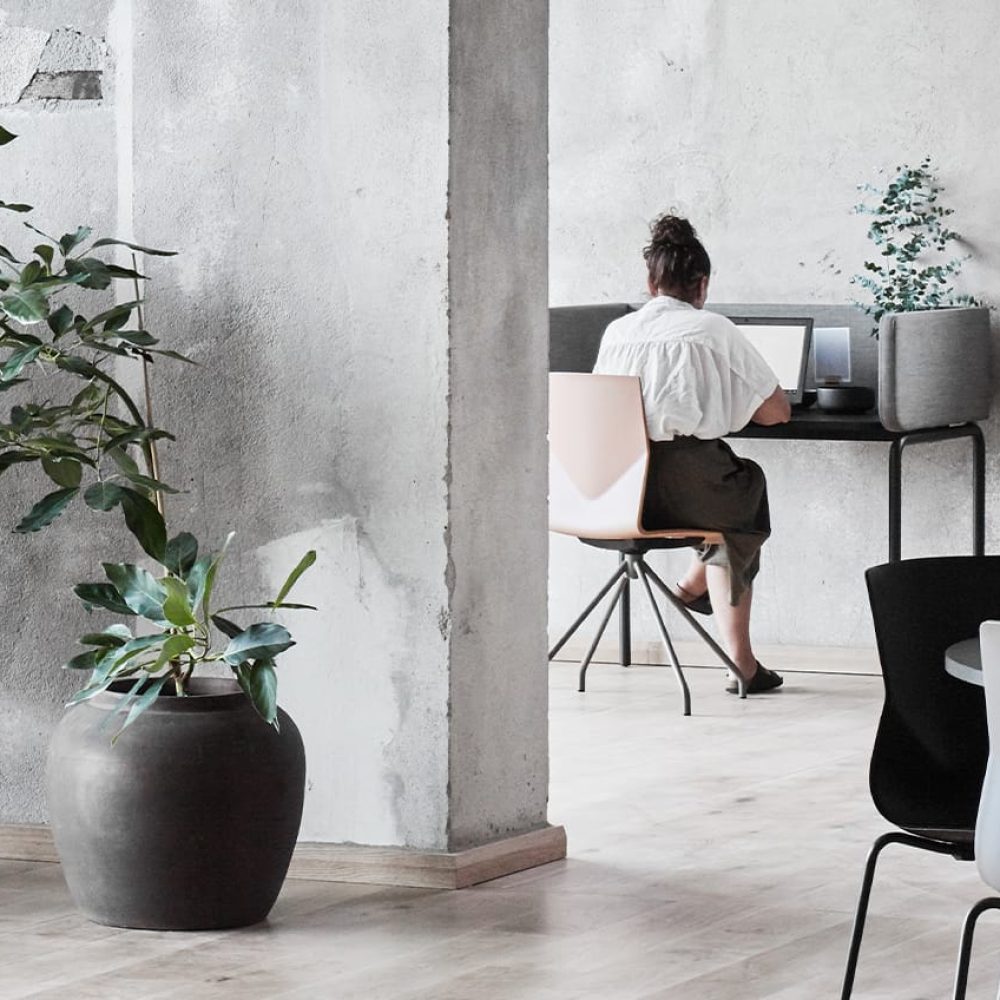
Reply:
x=625 y=621
x=896 y=500
x=978 y=492
x=972 y=431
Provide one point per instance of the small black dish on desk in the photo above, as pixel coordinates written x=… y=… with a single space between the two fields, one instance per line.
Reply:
x=808 y=399
x=845 y=398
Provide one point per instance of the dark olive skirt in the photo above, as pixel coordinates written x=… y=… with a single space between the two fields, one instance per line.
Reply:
x=701 y=484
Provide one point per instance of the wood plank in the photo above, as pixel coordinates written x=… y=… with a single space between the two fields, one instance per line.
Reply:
x=355 y=863
x=27 y=842
x=428 y=869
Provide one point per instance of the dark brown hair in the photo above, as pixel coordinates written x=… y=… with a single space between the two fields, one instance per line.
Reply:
x=675 y=258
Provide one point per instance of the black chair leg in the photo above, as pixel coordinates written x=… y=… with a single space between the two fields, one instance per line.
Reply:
x=866 y=888
x=965 y=948
x=582 y=617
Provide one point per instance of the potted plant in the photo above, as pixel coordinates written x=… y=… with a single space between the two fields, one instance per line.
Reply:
x=914 y=269
x=187 y=820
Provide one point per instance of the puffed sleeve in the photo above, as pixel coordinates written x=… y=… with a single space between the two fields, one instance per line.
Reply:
x=753 y=380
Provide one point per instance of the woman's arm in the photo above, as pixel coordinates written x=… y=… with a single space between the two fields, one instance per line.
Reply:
x=774 y=409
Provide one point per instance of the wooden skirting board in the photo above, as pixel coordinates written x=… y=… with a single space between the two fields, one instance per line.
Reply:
x=355 y=863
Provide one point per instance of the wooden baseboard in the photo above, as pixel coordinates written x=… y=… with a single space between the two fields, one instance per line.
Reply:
x=26 y=842
x=428 y=869
x=352 y=863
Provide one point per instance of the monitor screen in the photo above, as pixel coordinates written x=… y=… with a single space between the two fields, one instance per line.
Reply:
x=784 y=345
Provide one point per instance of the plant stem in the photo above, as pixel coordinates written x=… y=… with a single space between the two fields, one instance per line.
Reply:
x=152 y=457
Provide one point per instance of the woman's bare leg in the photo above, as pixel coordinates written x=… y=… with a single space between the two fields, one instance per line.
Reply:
x=693 y=584
x=732 y=621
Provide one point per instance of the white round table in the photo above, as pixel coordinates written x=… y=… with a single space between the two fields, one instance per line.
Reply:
x=964 y=661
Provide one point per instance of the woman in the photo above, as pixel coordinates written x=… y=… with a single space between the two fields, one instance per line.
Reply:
x=701 y=380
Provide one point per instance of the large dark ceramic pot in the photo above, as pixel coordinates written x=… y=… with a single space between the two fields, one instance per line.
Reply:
x=188 y=821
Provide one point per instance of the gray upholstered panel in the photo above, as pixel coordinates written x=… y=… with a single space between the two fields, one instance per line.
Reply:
x=575 y=334
x=935 y=368
x=864 y=347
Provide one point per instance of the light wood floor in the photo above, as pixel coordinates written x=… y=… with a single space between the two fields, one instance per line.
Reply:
x=711 y=858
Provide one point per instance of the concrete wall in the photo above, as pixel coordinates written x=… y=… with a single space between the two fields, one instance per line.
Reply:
x=327 y=285
x=758 y=121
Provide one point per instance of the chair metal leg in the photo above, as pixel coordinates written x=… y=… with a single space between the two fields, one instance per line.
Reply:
x=700 y=629
x=642 y=569
x=866 y=888
x=625 y=622
x=965 y=947
x=585 y=662
x=622 y=569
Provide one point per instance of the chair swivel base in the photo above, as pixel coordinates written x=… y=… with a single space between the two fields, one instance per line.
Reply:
x=633 y=566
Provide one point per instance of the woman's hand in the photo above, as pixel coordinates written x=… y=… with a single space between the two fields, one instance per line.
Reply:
x=774 y=409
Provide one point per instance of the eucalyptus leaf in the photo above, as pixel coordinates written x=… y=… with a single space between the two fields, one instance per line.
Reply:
x=45 y=511
x=263 y=640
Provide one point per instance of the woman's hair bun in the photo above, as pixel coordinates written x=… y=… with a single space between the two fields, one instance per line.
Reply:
x=672 y=230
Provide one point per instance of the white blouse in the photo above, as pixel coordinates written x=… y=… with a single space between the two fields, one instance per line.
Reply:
x=700 y=376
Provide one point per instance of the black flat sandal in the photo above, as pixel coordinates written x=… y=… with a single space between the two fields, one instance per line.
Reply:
x=762 y=680
x=700 y=605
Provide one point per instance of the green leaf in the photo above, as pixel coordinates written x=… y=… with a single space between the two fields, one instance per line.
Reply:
x=103 y=496
x=138 y=338
x=196 y=578
x=259 y=682
x=134 y=246
x=31 y=272
x=14 y=364
x=142 y=703
x=135 y=646
x=116 y=312
x=61 y=320
x=172 y=648
x=65 y=472
x=102 y=595
x=46 y=253
x=213 y=568
x=226 y=627
x=138 y=589
x=6 y=136
x=46 y=511
x=7 y=255
x=70 y=240
x=9 y=458
x=26 y=305
x=304 y=563
x=180 y=554
x=84 y=661
x=137 y=434
x=270 y=606
x=139 y=479
x=14 y=207
x=171 y=354
x=146 y=523
x=90 y=691
x=176 y=608
x=89 y=272
x=112 y=637
x=261 y=641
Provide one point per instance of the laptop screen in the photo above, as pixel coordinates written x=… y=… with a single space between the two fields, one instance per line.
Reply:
x=784 y=345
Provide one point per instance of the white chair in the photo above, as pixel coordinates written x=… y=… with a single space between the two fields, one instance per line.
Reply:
x=988 y=819
x=598 y=456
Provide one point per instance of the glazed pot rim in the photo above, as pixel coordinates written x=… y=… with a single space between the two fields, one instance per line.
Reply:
x=205 y=694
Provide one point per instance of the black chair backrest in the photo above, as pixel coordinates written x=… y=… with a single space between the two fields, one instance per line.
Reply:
x=931 y=746
x=575 y=334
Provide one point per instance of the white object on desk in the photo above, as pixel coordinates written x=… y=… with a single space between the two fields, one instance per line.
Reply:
x=964 y=660
x=832 y=355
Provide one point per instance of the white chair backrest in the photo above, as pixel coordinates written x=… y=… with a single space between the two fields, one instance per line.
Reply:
x=598 y=453
x=988 y=819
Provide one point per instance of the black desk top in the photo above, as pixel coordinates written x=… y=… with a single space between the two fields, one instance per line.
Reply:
x=816 y=425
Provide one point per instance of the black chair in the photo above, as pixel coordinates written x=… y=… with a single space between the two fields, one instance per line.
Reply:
x=931 y=745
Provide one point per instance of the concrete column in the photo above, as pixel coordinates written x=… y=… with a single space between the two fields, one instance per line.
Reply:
x=358 y=193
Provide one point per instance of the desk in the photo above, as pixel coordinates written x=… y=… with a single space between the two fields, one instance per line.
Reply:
x=815 y=425
x=964 y=660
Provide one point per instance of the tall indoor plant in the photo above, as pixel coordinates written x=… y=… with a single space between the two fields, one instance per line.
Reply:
x=189 y=821
x=914 y=267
